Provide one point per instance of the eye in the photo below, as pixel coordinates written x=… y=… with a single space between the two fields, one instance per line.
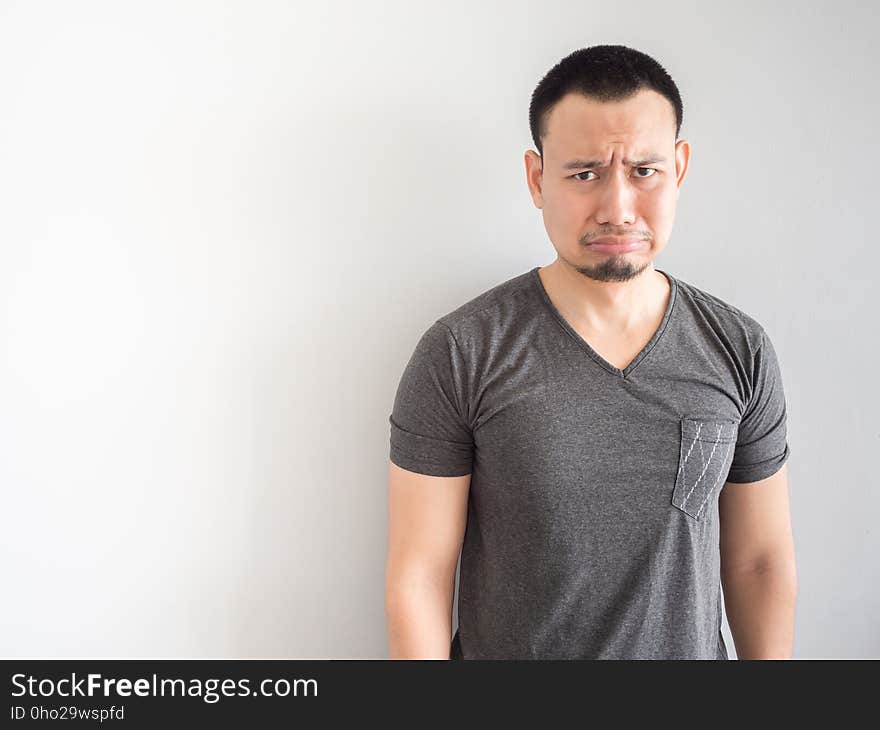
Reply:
x=590 y=172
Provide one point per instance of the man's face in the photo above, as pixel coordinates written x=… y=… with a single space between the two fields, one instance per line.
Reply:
x=609 y=169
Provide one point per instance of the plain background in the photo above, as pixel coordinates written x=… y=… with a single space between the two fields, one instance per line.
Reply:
x=224 y=226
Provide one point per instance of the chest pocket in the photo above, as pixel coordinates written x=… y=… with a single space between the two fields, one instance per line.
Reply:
x=705 y=456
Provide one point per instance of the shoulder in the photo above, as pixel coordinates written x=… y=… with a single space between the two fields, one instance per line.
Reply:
x=721 y=315
x=489 y=310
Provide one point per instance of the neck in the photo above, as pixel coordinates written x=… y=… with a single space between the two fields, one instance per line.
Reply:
x=606 y=306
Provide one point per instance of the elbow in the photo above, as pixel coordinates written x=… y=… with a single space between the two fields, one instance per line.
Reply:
x=781 y=574
x=416 y=581
x=418 y=610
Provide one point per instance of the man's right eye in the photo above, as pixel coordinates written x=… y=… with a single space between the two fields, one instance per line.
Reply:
x=587 y=172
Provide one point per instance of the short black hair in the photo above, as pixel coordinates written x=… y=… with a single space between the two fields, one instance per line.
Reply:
x=606 y=73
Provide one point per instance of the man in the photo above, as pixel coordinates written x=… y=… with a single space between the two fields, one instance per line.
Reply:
x=605 y=443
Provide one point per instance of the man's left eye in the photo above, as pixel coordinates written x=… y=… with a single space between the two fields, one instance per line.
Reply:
x=646 y=168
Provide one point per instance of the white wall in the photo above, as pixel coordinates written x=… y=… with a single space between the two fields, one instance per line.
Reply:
x=224 y=226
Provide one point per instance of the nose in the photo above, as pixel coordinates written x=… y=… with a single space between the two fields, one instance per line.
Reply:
x=616 y=200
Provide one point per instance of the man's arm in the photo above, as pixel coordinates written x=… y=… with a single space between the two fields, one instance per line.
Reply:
x=426 y=523
x=758 y=572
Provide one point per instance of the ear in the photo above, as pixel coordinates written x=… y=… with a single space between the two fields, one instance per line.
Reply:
x=682 y=158
x=535 y=177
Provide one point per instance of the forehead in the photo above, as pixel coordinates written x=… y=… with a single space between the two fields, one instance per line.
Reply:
x=578 y=126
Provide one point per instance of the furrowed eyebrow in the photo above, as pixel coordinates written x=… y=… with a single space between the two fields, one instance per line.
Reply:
x=597 y=164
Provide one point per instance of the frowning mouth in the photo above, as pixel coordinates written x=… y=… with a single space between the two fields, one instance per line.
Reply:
x=614 y=244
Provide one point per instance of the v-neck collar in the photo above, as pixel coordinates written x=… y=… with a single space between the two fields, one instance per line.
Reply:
x=624 y=373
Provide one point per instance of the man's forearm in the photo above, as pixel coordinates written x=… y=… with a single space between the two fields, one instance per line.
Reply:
x=419 y=615
x=760 y=607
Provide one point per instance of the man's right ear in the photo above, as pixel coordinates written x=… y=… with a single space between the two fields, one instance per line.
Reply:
x=534 y=176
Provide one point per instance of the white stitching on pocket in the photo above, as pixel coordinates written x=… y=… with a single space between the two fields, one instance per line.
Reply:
x=687 y=456
x=697 y=470
x=717 y=479
x=705 y=465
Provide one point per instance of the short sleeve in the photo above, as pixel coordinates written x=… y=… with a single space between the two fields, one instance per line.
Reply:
x=430 y=433
x=761 y=444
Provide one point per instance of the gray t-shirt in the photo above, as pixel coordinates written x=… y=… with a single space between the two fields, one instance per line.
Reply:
x=592 y=519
